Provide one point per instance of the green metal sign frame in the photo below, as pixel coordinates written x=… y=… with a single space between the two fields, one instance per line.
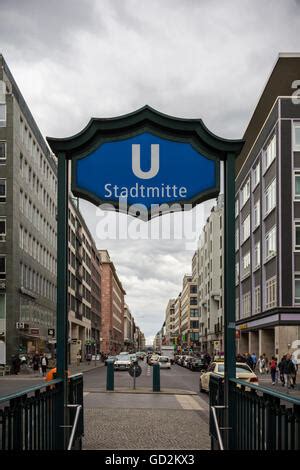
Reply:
x=91 y=137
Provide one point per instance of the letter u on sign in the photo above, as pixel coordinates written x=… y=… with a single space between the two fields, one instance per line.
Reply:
x=136 y=162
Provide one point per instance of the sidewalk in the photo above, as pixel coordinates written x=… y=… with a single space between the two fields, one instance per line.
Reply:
x=29 y=374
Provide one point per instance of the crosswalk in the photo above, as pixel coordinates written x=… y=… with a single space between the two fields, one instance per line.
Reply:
x=188 y=402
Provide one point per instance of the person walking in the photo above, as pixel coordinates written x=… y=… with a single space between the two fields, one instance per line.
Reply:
x=294 y=377
x=273 y=368
x=254 y=360
x=249 y=361
x=36 y=363
x=44 y=364
x=78 y=357
x=261 y=365
x=288 y=371
x=280 y=368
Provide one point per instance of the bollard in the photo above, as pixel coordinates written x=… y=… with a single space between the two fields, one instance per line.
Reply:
x=156 y=378
x=110 y=376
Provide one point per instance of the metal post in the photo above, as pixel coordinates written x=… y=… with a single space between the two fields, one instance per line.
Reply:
x=156 y=378
x=110 y=376
x=62 y=296
x=229 y=293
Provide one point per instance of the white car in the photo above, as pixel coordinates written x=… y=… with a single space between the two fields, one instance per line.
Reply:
x=243 y=372
x=164 y=362
x=154 y=359
x=122 y=362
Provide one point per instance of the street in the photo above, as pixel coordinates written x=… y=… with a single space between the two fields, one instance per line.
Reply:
x=145 y=420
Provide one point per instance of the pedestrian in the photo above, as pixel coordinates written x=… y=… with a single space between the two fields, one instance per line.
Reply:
x=273 y=368
x=261 y=364
x=78 y=357
x=294 y=377
x=266 y=363
x=44 y=364
x=36 y=363
x=254 y=360
x=280 y=368
x=288 y=371
x=88 y=358
x=249 y=361
x=16 y=364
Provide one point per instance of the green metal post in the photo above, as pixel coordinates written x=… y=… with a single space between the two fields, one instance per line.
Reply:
x=229 y=294
x=62 y=296
x=156 y=378
x=110 y=378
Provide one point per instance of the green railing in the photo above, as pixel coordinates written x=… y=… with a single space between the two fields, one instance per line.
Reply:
x=28 y=419
x=265 y=419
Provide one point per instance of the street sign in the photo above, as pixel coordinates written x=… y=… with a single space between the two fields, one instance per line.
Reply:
x=135 y=370
x=135 y=162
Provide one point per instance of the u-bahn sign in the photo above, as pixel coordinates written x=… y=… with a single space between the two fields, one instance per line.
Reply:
x=145 y=163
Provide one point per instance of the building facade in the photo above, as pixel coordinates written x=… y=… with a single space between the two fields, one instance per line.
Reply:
x=210 y=281
x=169 y=321
x=28 y=228
x=189 y=323
x=84 y=298
x=267 y=219
x=112 y=307
x=129 y=328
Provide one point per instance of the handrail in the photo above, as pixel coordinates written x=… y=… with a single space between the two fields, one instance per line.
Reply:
x=259 y=388
x=220 y=440
x=29 y=390
x=79 y=407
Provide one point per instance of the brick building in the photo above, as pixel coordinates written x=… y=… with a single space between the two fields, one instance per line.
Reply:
x=112 y=307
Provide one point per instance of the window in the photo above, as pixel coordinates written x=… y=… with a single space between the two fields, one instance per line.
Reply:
x=246 y=228
x=296 y=137
x=2 y=267
x=2 y=229
x=270 y=152
x=257 y=299
x=256 y=214
x=297 y=236
x=246 y=305
x=270 y=197
x=246 y=264
x=256 y=176
x=237 y=239
x=297 y=186
x=2 y=115
x=271 y=293
x=236 y=207
x=237 y=273
x=2 y=152
x=194 y=324
x=271 y=243
x=297 y=288
x=2 y=190
x=257 y=255
x=194 y=312
x=245 y=192
x=237 y=308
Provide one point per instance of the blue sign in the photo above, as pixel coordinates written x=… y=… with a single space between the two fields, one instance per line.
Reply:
x=145 y=169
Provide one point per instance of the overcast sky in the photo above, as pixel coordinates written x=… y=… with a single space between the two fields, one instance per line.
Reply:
x=74 y=59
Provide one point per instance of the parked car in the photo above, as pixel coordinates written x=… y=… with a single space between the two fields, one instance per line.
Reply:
x=153 y=359
x=186 y=360
x=110 y=359
x=164 y=362
x=180 y=360
x=243 y=372
x=198 y=364
x=122 y=362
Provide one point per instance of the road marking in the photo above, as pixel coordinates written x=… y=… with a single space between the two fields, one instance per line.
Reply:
x=148 y=370
x=188 y=402
x=85 y=394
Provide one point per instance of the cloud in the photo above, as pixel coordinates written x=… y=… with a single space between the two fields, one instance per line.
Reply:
x=74 y=59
